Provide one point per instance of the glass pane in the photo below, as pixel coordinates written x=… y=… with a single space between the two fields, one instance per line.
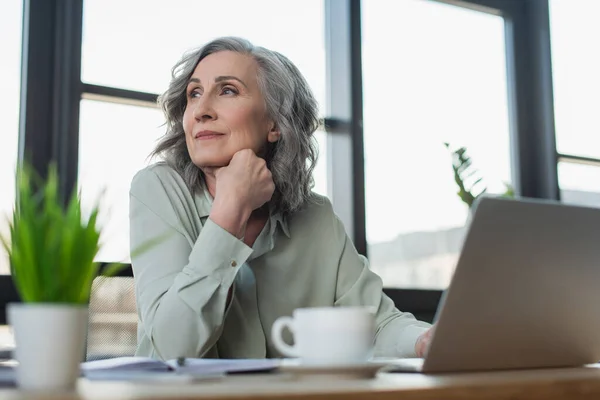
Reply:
x=575 y=65
x=441 y=78
x=11 y=16
x=579 y=184
x=136 y=47
x=114 y=143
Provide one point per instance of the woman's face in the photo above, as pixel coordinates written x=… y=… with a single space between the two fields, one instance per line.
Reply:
x=225 y=110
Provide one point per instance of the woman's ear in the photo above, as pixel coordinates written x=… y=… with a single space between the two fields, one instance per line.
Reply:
x=274 y=134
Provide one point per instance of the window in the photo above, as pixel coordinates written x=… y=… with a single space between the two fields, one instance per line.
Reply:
x=575 y=65
x=145 y=40
x=579 y=184
x=114 y=143
x=11 y=15
x=137 y=53
x=433 y=73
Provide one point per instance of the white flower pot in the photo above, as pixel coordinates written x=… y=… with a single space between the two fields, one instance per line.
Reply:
x=50 y=344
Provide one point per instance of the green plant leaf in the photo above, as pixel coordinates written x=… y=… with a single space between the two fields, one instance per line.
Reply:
x=52 y=245
x=49 y=244
x=468 y=179
x=463 y=170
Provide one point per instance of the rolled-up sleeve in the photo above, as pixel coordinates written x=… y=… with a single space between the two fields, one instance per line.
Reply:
x=181 y=287
x=358 y=285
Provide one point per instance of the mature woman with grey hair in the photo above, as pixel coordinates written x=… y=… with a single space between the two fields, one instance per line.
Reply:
x=247 y=240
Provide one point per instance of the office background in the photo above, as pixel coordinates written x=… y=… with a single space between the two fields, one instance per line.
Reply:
x=514 y=81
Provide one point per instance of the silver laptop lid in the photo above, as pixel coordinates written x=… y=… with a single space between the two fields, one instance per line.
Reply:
x=526 y=290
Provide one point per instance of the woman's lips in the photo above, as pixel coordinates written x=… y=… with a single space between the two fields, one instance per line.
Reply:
x=207 y=135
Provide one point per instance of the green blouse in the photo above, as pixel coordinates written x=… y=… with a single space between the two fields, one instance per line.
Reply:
x=303 y=260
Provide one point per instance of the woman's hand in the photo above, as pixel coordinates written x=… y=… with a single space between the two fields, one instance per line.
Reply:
x=241 y=187
x=422 y=344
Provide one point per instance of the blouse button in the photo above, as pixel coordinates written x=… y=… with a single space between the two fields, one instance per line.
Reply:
x=233 y=263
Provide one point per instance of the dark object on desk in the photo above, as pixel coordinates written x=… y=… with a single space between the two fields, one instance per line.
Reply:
x=6 y=354
x=195 y=366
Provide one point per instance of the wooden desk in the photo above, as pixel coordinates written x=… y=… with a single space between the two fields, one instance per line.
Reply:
x=580 y=383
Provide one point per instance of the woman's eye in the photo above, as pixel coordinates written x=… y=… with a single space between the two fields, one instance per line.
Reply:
x=194 y=93
x=228 y=90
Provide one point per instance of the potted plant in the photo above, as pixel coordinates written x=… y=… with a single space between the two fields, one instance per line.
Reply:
x=51 y=248
x=467 y=177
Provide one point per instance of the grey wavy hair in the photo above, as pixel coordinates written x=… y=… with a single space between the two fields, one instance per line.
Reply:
x=289 y=102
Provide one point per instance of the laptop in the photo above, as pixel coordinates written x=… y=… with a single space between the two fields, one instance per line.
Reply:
x=525 y=292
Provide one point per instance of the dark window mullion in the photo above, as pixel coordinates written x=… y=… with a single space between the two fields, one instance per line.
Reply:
x=531 y=99
x=344 y=116
x=51 y=88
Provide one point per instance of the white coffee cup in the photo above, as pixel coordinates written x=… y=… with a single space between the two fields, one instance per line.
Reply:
x=328 y=335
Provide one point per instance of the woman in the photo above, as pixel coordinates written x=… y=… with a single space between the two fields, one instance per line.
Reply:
x=247 y=240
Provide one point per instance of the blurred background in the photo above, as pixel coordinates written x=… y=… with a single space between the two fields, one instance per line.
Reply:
x=516 y=82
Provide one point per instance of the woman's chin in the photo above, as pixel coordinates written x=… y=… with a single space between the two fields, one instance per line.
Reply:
x=205 y=163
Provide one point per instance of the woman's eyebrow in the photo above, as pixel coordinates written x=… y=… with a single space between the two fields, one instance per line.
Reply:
x=219 y=79
x=227 y=78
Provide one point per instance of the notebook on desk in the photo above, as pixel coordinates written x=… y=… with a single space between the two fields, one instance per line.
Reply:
x=136 y=366
x=525 y=292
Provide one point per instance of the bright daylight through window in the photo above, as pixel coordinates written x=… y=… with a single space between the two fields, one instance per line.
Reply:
x=575 y=66
x=433 y=73
x=10 y=73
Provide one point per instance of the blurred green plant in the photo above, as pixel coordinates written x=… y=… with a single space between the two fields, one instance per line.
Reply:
x=52 y=246
x=468 y=179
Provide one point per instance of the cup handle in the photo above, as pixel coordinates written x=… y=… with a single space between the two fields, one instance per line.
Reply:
x=277 y=329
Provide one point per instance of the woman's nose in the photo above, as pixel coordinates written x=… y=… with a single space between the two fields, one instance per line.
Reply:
x=204 y=110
